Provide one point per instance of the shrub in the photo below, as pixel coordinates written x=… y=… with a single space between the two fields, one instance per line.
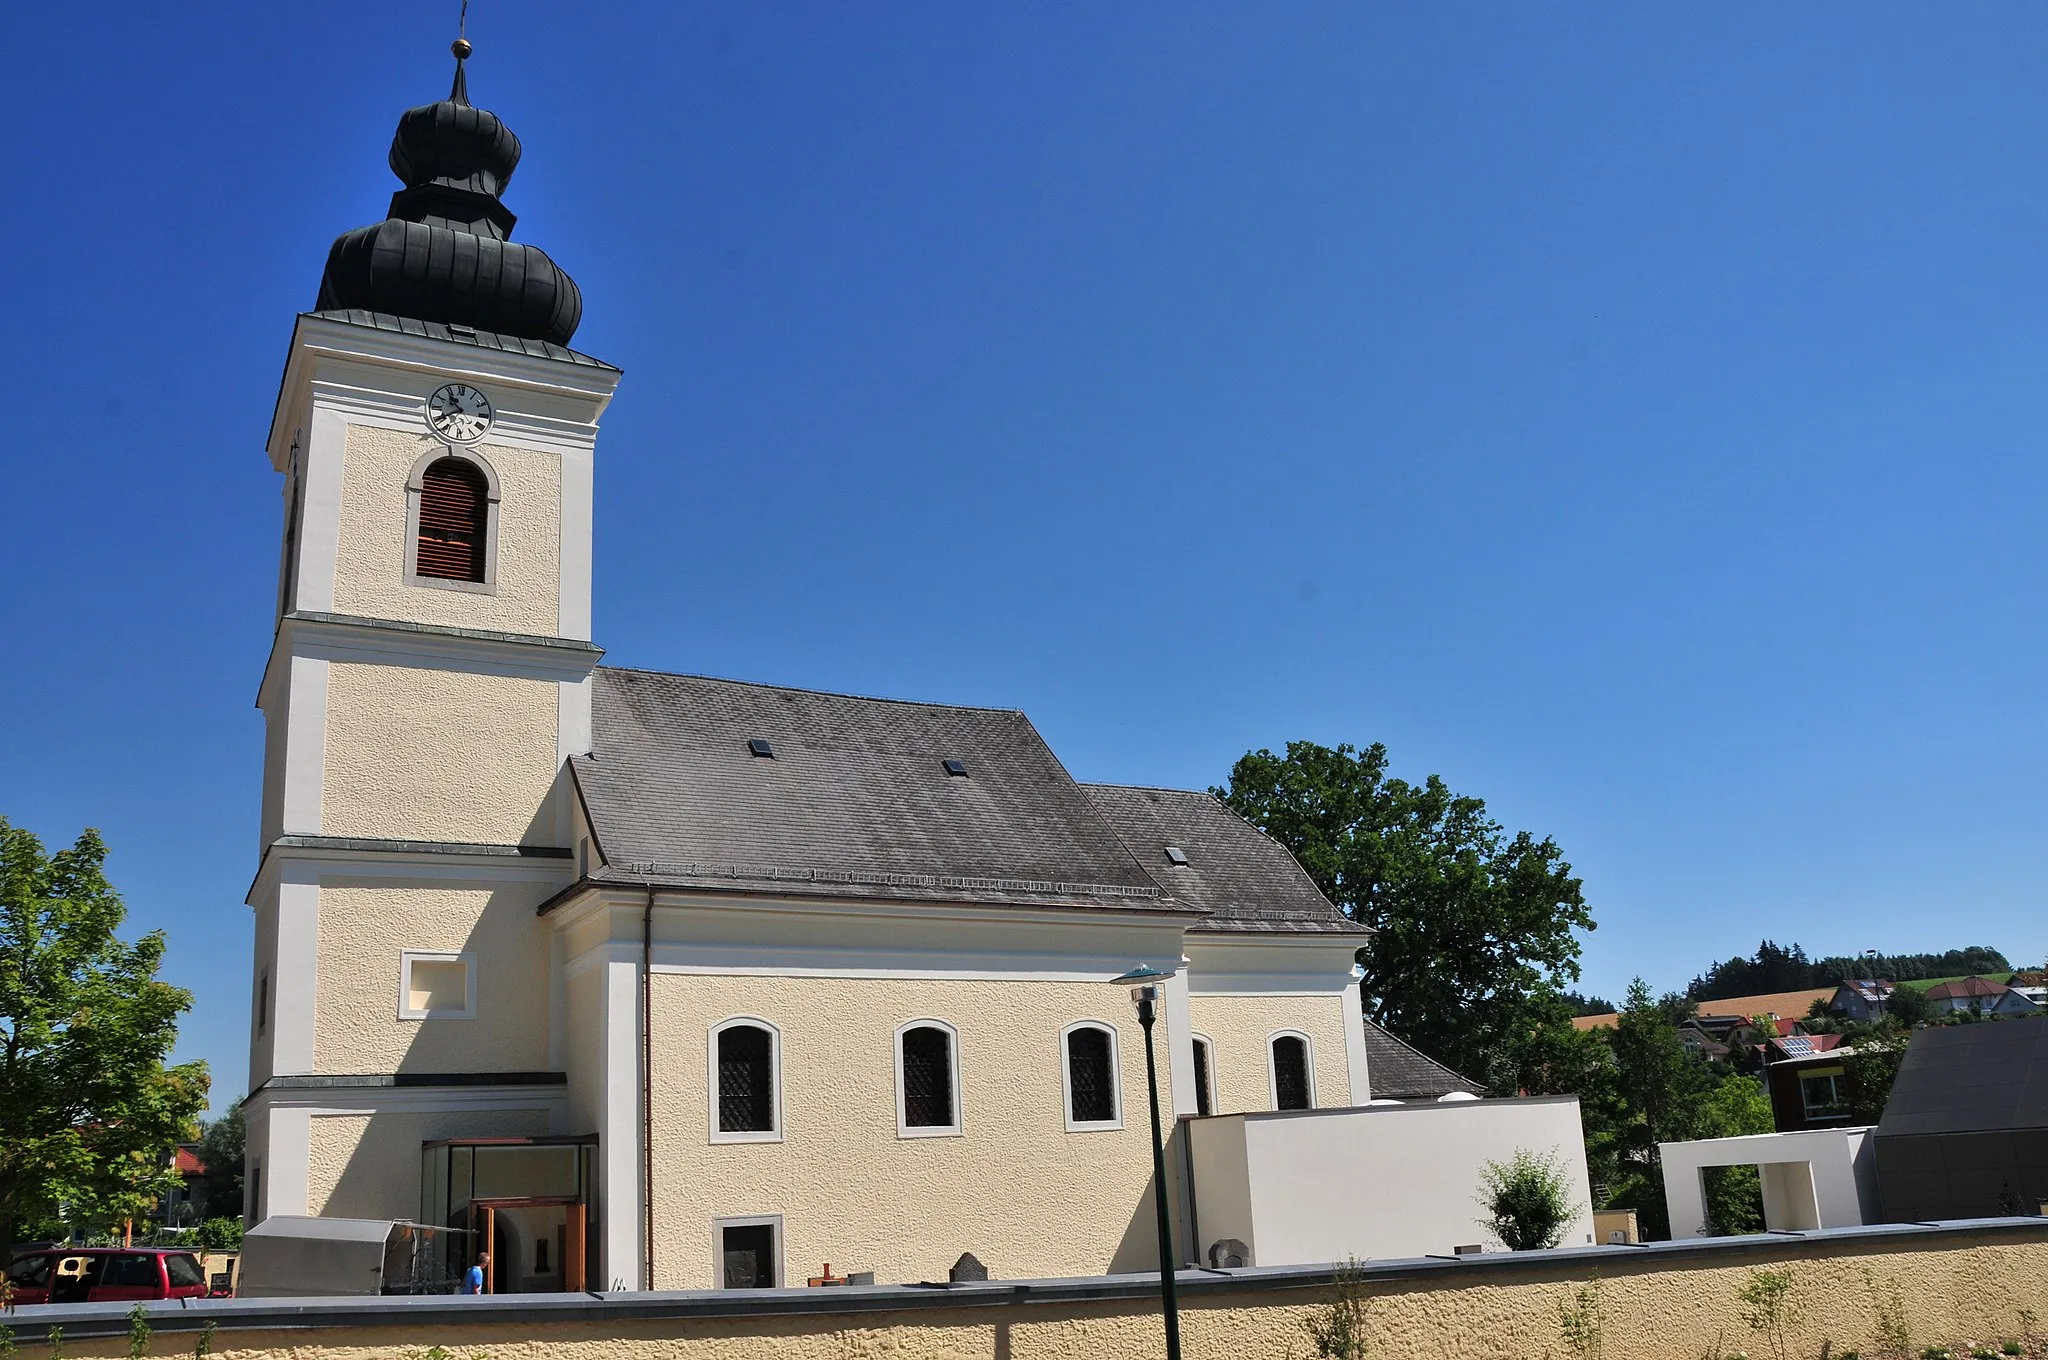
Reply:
x=1583 y=1322
x=1767 y=1306
x=1890 y=1306
x=1526 y=1199
x=1337 y=1329
x=220 y=1234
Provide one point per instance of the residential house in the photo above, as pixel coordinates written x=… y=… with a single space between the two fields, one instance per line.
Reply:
x=2031 y=984
x=1977 y=995
x=1861 y=1000
x=1810 y=1088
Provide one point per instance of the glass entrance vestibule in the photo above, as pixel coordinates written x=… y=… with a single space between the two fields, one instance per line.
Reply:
x=531 y=1202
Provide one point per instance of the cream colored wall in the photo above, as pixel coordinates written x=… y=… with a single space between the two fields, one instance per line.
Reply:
x=369 y=572
x=583 y=1024
x=418 y=754
x=1967 y=1289
x=362 y=931
x=1239 y=1027
x=368 y=1165
x=1017 y=1190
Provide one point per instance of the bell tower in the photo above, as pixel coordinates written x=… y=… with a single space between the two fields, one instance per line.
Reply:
x=429 y=677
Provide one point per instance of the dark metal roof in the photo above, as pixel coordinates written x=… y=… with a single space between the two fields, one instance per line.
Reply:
x=1244 y=877
x=856 y=803
x=1971 y=1079
x=444 y=252
x=1398 y=1071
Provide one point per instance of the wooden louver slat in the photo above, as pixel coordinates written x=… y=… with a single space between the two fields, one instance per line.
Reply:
x=454 y=515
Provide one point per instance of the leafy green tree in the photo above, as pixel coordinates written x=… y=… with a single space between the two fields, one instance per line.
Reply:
x=1472 y=924
x=1735 y=1106
x=222 y=1150
x=89 y=1113
x=1907 y=1007
x=1665 y=1088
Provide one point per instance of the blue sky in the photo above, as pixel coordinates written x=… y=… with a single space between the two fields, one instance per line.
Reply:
x=1632 y=413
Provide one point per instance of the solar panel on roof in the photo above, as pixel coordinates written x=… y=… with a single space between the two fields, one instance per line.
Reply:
x=1797 y=1046
x=760 y=747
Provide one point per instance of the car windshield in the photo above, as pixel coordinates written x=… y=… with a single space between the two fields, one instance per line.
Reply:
x=184 y=1270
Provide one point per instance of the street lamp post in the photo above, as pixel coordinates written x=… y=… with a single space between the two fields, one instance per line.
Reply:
x=1146 y=994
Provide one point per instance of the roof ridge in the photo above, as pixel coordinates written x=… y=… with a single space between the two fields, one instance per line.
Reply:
x=824 y=693
x=1142 y=788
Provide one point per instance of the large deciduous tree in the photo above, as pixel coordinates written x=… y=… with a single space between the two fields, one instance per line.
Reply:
x=1476 y=929
x=89 y=1113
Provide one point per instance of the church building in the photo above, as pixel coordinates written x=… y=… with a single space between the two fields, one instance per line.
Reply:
x=658 y=981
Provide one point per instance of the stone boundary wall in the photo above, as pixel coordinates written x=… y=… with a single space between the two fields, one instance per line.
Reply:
x=1664 y=1301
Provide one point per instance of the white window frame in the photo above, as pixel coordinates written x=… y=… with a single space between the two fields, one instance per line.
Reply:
x=414 y=485
x=772 y=1134
x=1215 y=1107
x=1116 y=1080
x=718 y=1227
x=903 y=1128
x=408 y=957
x=1308 y=1056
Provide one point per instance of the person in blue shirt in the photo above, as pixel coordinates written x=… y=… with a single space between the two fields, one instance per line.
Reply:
x=473 y=1282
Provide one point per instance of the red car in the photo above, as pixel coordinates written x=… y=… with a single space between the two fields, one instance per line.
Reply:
x=105 y=1275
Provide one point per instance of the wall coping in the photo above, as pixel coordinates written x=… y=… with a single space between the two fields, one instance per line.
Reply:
x=425 y=1312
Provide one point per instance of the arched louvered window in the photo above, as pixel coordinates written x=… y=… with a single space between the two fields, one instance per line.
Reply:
x=746 y=1061
x=925 y=1073
x=1091 y=1076
x=1204 y=1102
x=454 y=522
x=1290 y=1073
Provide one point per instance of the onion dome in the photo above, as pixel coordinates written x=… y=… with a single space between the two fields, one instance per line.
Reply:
x=445 y=253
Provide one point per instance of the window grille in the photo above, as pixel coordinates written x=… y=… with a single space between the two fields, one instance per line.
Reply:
x=746 y=1077
x=1202 y=1077
x=1090 y=1082
x=1290 y=1073
x=454 y=520
x=927 y=1078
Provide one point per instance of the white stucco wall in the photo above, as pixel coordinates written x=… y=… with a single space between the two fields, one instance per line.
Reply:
x=1814 y=1178
x=1381 y=1182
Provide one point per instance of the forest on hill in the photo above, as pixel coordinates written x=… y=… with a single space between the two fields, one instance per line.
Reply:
x=1775 y=968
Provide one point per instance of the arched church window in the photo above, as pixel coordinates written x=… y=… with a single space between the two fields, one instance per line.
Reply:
x=1205 y=1100
x=454 y=521
x=743 y=1057
x=1091 y=1076
x=926 y=1080
x=1291 y=1088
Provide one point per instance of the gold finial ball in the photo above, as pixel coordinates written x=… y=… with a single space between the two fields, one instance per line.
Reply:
x=460 y=47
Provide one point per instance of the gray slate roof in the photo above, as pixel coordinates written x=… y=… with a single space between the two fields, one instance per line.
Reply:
x=855 y=802
x=1245 y=878
x=1400 y=1072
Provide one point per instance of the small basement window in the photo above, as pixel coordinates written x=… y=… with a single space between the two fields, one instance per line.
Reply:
x=436 y=986
x=760 y=747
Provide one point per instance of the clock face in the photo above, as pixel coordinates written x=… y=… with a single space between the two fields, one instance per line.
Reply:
x=459 y=413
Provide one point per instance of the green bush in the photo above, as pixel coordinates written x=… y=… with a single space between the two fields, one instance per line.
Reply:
x=1526 y=1199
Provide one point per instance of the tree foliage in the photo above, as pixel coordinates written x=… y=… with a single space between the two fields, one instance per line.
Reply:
x=1476 y=929
x=89 y=1113
x=222 y=1151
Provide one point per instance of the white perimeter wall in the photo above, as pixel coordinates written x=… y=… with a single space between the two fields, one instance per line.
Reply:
x=1379 y=1182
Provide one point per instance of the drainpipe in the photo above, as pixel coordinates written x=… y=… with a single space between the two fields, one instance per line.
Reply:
x=647 y=1088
